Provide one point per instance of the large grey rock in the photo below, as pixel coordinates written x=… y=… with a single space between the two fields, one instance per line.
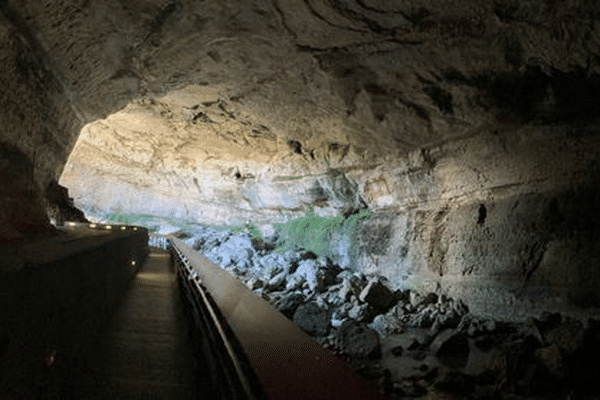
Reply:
x=386 y=324
x=415 y=299
x=288 y=304
x=313 y=319
x=423 y=318
x=357 y=340
x=309 y=270
x=342 y=311
x=376 y=294
x=352 y=284
x=360 y=312
x=451 y=348
x=277 y=282
x=294 y=282
x=273 y=261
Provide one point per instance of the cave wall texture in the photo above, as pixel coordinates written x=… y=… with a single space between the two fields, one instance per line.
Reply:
x=468 y=128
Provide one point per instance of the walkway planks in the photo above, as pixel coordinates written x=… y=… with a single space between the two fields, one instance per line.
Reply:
x=146 y=351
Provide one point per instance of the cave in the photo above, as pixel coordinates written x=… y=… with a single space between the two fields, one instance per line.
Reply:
x=447 y=149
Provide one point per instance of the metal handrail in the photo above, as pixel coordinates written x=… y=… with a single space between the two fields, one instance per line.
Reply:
x=273 y=352
x=190 y=277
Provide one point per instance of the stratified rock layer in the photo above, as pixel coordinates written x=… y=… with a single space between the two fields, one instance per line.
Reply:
x=504 y=220
x=468 y=130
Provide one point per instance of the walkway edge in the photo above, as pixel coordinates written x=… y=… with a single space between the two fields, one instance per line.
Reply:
x=288 y=362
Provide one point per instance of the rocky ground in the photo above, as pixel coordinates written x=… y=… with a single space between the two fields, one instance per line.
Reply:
x=409 y=344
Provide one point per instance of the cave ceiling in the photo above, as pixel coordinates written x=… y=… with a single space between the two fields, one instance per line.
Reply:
x=322 y=78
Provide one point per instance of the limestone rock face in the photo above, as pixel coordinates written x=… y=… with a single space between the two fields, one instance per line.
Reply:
x=469 y=129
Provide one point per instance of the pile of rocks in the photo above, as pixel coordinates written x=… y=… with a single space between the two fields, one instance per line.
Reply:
x=360 y=318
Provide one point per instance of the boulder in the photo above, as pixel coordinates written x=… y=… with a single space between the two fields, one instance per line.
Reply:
x=254 y=283
x=277 y=282
x=422 y=319
x=359 y=312
x=449 y=319
x=273 y=260
x=288 y=305
x=415 y=299
x=489 y=325
x=385 y=325
x=308 y=269
x=313 y=319
x=451 y=348
x=330 y=273
x=351 y=285
x=356 y=339
x=431 y=298
x=342 y=312
x=294 y=283
x=376 y=294
x=336 y=321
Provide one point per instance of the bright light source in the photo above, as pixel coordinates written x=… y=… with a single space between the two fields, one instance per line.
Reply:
x=71 y=223
x=92 y=225
x=135 y=228
x=108 y=227
x=133 y=262
x=123 y=228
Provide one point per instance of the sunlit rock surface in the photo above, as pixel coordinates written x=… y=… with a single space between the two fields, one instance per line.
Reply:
x=504 y=220
x=187 y=156
x=468 y=130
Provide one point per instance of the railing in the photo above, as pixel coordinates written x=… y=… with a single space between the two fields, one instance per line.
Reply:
x=158 y=241
x=231 y=375
x=266 y=354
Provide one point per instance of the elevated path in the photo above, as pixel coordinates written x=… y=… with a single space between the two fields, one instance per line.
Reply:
x=148 y=349
x=99 y=318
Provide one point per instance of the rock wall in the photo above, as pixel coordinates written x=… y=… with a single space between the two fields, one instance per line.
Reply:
x=432 y=114
x=38 y=127
x=504 y=220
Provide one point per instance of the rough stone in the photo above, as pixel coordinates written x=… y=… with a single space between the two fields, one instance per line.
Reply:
x=451 y=348
x=313 y=319
x=360 y=312
x=308 y=270
x=288 y=305
x=193 y=118
x=386 y=325
x=294 y=283
x=489 y=325
x=423 y=317
x=254 y=283
x=356 y=339
x=352 y=284
x=376 y=294
x=415 y=299
x=277 y=282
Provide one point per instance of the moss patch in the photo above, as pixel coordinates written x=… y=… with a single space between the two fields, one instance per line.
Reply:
x=321 y=235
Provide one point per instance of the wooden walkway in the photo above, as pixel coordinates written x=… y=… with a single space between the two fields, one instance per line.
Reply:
x=148 y=350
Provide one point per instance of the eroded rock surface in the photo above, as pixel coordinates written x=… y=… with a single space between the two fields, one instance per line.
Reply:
x=468 y=130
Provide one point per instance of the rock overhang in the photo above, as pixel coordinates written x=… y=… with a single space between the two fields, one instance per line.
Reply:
x=428 y=110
